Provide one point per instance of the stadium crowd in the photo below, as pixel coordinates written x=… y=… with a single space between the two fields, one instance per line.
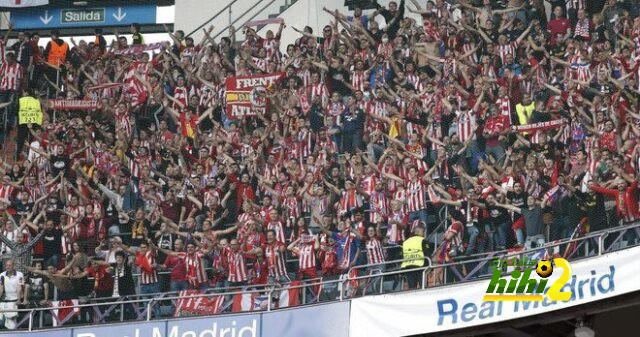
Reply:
x=139 y=177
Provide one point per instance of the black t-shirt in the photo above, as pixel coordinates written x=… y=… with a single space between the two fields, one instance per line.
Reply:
x=518 y=200
x=23 y=53
x=59 y=164
x=497 y=215
x=52 y=242
x=335 y=75
x=36 y=286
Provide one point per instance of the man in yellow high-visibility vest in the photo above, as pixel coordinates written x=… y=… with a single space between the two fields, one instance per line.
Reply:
x=414 y=251
x=29 y=113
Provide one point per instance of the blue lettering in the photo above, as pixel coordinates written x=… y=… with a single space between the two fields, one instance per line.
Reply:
x=487 y=309
x=571 y=287
x=525 y=305
x=610 y=284
x=580 y=284
x=546 y=302
x=442 y=312
x=592 y=284
x=468 y=312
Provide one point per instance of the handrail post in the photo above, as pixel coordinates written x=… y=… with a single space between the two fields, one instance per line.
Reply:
x=149 y=310
x=600 y=244
x=340 y=288
x=31 y=320
x=269 y=295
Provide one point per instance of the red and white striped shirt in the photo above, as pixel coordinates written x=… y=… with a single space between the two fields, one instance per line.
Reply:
x=504 y=50
x=275 y=259
x=237 y=268
x=180 y=94
x=375 y=255
x=379 y=205
x=350 y=200
x=11 y=76
x=504 y=104
x=416 y=199
x=6 y=192
x=278 y=228
x=291 y=207
x=145 y=276
x=358 y=78
x=319 y=90
x=306 y=253
x=395 y=231
x=196 y=273
x=466 y=125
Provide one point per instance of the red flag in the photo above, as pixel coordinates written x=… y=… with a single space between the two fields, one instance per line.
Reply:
x=289 y=296
x=143 y=263
x=243 y=302
x=62 y=315
x=198 y=306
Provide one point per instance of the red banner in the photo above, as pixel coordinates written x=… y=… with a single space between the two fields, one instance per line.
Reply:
x=264 y=22
x=539 y=126
x=139 y=48
x=74 y=104
x=245 y=94
x=199 y=306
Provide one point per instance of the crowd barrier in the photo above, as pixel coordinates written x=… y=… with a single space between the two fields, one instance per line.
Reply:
x=307 y=321
x=361 y=281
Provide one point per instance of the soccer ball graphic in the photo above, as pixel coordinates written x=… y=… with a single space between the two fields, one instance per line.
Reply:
x=544 y=268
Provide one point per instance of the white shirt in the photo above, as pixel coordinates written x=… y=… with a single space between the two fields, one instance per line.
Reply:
x=11 y=285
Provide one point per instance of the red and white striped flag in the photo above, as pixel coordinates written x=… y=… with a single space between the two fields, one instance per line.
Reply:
x=23 y=3
x=289 y=296
x=248 y=302
x=62 y=315
x=210 y=305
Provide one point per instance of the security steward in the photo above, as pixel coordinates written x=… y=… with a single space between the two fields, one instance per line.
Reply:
x=414 y=251
x=55 y=54
x=29 y=113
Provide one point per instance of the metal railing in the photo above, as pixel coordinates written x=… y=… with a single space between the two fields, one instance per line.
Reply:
x=227 y=7
x=344 y=287
x=231 y=23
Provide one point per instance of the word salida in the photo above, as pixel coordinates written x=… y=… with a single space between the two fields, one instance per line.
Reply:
x=521 y=283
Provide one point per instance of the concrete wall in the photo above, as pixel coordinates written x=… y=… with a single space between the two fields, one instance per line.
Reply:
x=189 y=14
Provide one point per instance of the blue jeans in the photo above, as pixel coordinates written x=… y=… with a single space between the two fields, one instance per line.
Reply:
x=472 y=232
x=520 y=236
x=419 y=215
x=178 y=285
x=497 y=152
x=53 y=260
x=489 y=245
x=151 y=288
x=500 y=235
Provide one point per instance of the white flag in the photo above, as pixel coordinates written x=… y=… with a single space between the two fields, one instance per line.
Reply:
x=23 y=3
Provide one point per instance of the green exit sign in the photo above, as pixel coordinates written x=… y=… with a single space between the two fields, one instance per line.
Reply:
x=85 y=15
